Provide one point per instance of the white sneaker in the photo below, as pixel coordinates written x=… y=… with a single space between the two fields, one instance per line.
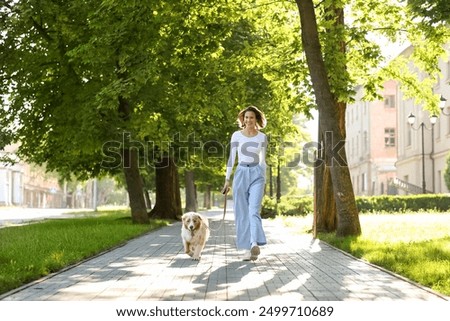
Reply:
x=254 y=252
x=247 y=255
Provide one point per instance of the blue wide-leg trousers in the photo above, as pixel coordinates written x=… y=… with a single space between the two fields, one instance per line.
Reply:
x=248 y=191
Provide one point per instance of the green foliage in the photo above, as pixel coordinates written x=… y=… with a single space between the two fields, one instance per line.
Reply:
x=408 y=203
x=63 y=90
x=183 y=68
x=290 y=206
x=32 y=251
x=416 y=69
x=296 y=206
x=269 y=207
x=370 y=28
x=430 y=12
x=301 y=206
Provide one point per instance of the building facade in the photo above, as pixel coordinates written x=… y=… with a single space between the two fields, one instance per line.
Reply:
x=388 y=155
x=424 y=168
x=371 y=142
x=25 y=185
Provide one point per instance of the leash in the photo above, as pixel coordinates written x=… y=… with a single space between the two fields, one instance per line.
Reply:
x=224 y=211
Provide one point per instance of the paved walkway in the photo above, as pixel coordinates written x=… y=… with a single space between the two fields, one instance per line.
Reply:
x=154 y=267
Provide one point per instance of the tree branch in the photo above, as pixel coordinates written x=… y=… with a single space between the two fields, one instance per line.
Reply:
x=41 y=30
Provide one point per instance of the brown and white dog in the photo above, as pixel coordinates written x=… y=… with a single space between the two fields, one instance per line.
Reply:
x=195 y=233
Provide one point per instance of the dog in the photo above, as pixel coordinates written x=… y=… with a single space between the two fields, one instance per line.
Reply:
x=195 y=233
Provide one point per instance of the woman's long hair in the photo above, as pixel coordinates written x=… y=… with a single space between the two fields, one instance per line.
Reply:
x=260 y=118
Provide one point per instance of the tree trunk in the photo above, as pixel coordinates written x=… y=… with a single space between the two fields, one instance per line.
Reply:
x=324 y=203
x=207 y=197
x=168 y=199
x=131 y=170
x=191 y=194
x=278 y=182
x=148 y=200
x=134 y=186
x=330 y=121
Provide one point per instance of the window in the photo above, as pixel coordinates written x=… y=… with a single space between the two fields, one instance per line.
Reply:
x=389 y=101
x=389 y=137
x=363 y=182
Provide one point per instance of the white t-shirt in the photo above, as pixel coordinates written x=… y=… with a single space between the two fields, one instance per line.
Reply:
x=250 y=150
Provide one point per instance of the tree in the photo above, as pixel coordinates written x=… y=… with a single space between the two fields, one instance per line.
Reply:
x=345 y=54
x=201 y=83
x=89 y=86
x=331 y=111
x=431 y=12
x=86 y=88
x=244 y=72
x=73 y=74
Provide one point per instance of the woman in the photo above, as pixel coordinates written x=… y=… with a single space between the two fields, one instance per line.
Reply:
x=250 y=145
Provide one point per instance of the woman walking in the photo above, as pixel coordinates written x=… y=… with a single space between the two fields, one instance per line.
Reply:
x=250 y=145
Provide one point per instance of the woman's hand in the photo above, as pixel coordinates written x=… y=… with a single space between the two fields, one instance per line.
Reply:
x=226 y=187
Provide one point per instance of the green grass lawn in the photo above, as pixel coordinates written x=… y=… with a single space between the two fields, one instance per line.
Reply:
x=32 y=251
x=416 y=245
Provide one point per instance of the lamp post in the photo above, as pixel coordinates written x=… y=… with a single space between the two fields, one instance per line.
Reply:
x=422 y=126
x=442 y=102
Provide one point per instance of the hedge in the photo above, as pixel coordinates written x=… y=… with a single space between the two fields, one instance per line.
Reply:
x=404 y=203
x=303 y=205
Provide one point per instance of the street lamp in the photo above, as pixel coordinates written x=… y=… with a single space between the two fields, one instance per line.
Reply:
x=411 y=121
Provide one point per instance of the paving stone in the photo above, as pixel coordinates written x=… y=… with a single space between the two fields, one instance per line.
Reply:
x=290 y=267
